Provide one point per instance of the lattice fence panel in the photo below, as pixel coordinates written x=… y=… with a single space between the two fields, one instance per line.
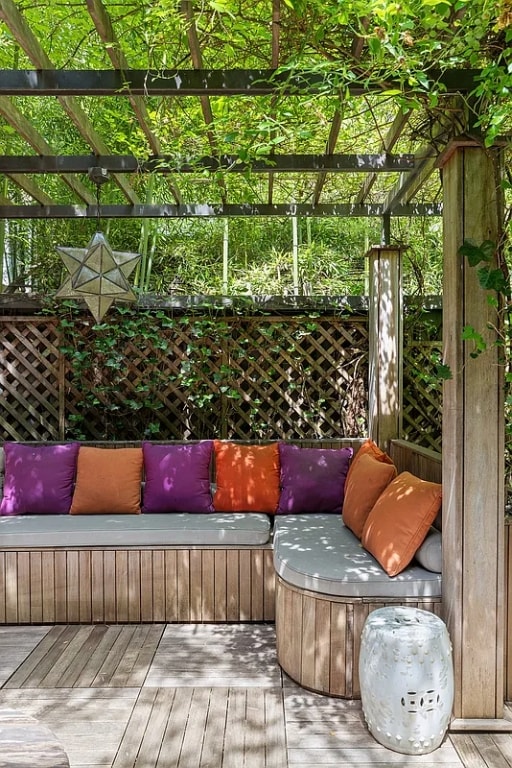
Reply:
x=298 y=378
x=422 y=394
x=30 y=379
x=255 y=377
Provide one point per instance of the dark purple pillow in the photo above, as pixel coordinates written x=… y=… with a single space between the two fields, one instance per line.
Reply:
x=177 y=477
x=38 y=479
x=312 y=479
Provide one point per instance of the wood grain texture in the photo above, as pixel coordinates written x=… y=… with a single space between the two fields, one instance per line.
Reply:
x=322 y=653
x=473 y=503
x=136 y=585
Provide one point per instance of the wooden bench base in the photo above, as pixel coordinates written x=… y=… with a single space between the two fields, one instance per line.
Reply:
x=318 y=636
x=116 y=585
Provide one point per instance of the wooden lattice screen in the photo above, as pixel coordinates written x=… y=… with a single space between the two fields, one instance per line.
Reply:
x=261 y=377
x=422 y=394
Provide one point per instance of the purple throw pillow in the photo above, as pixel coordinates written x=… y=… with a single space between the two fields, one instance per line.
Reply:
x=312 y=479
x=38 y=479
x=177 y=477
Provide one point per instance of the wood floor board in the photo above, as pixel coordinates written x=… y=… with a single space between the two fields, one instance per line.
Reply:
x=196 y=696
x=213 y=745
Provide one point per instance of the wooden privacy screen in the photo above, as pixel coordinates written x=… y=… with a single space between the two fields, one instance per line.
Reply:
x=265 y=377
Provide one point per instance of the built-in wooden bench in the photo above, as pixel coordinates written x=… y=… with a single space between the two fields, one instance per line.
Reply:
x=116 y=582
x=318 y=632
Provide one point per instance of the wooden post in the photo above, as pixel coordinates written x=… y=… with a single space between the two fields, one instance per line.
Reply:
x=473 y=444
x=385 y=336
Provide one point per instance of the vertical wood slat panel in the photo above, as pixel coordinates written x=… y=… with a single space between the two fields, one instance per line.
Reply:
x=322 y=653
x=171 y=585
x=232 y=585
x=220 y=583
x=132 y=586
x=97 y=587
x=24 y=595
x=2 y=588
x=84 y=576
x=48 y=586
x=36 y=595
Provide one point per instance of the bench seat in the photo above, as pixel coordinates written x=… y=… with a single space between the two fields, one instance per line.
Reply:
x=173 y=529
x=318 y=552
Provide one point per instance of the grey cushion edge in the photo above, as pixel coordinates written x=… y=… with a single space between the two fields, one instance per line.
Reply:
x=185 y=529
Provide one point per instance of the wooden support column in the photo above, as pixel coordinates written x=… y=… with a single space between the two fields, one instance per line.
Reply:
x=473 y=445
x=385 y=336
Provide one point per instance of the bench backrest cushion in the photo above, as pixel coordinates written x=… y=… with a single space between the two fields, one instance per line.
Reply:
x=177 y=477
x=367 y=479
x=38 y=479
x=400 y=520
x=108 y=480
x=247 y=477
x=312 y=479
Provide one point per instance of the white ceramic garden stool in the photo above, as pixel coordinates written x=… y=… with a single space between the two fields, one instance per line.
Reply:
x=406 y=677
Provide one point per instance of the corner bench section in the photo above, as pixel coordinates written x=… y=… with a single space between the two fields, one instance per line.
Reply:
x=324 y=594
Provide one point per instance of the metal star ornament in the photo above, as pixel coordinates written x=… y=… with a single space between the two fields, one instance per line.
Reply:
x=97 y=274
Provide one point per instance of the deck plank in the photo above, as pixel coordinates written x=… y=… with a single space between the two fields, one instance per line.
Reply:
x=223 y=702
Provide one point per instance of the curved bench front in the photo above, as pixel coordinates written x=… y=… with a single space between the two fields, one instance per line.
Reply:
x=327 y=584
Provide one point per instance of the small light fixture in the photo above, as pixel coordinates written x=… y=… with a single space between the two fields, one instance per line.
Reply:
x=97 y=274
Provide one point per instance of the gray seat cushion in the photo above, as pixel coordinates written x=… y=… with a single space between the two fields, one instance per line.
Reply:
x=317 y=552
x=134 y=530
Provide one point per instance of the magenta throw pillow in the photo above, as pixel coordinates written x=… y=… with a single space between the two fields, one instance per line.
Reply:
x=312 y=479
x=38 y=479
x=177 y=477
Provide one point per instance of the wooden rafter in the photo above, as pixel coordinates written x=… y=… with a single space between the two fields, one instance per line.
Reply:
x=169 y=211
x=389 y=142
x=105 y=29
x=187 y=10
x=329 y=152
x=26 y=130
x=10 y=14
x=29 y=186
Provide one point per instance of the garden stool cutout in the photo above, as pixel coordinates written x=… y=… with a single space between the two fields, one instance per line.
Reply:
x=406 y=676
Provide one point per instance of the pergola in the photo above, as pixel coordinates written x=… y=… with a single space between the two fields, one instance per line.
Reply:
x=183 y=116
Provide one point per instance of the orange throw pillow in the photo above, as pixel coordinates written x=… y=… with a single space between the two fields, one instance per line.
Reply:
x=372 y=449
x=107 y=481
x=368 y=479
x=400 y=520
x=247 y=477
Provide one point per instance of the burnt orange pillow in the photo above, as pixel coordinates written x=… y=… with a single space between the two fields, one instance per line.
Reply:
x=372 y=449
x=247 y=477
x=107 y=481
x=400 y=520
x=368 y=479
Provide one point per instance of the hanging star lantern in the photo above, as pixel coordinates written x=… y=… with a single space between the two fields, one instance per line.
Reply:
x=97 y=274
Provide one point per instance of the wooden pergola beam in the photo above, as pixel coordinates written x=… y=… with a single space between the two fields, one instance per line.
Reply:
x=389 y=142
x=46 y=81
x=62 y=164
x=193 y=210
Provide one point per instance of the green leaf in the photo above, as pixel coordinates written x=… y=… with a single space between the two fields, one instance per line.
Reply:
x=492 y=279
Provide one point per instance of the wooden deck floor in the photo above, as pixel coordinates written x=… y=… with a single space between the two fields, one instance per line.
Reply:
x=195 y=696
